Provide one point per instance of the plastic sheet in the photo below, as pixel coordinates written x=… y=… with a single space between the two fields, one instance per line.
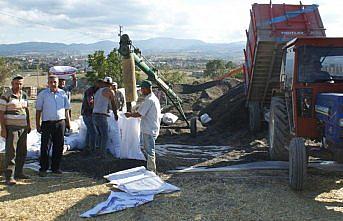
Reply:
x=115 y=202
x=139 y=181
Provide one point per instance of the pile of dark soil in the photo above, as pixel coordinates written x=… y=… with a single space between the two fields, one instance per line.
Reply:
x=95 y=167
x=228 y=112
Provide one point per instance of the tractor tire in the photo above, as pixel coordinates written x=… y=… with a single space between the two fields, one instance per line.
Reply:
x=254 y=116
x=278 y=130
x=297 y=163
x=193 y=127
x=338 y=157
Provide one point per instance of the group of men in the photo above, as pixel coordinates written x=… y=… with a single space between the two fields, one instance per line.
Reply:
x=53 y=118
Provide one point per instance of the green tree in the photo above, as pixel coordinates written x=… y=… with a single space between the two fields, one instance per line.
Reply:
x=114 y=67
x=6 y=70
x=174 y=77
x=214 y=68
x=102 y=66
x=230 y=65
x=97 y=62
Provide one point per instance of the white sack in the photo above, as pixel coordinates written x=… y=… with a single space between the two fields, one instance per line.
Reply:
x=62 y=71
x=169 y=118
x=114 y=141
x=130 y=138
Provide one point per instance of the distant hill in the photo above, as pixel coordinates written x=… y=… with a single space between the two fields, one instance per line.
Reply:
x=154 y=46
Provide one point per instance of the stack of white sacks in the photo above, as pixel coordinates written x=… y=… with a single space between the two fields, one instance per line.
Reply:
x=124 y=136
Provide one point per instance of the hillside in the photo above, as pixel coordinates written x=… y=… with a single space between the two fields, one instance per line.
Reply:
x=154 y=46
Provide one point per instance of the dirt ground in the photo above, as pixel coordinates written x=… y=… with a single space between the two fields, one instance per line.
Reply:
x=244 y=195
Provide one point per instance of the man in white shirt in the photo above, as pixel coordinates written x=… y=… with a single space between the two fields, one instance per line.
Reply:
x=52 y=107
x=150 y=114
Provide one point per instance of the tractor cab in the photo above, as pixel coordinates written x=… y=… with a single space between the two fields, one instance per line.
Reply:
x=312 y=84
x=311 y=66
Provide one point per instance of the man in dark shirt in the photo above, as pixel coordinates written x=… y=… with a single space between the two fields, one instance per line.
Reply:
x=86 y=112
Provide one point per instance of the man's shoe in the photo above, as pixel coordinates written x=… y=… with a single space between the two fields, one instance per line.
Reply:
x=42 y=173
x=57 y=171
x=10 y=182
x=22 y=176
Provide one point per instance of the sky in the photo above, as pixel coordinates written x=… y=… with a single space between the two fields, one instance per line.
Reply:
x=88 y=21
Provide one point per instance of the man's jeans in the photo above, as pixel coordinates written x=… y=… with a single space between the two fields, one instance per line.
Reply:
x=149 y=149
x=90 y=137
x=101 y=130
x=16 y=149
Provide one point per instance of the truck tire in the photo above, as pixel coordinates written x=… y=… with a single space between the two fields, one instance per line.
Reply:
x=278 y=130
x=193 y=127
x=254 y=116
x=297 y=163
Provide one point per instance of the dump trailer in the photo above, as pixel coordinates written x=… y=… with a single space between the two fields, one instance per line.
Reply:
x=294 y=78
x=271 y=27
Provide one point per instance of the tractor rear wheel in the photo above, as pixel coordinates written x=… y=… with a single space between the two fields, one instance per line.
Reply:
x=297 y=163
x=254 y=116
x=278 y=130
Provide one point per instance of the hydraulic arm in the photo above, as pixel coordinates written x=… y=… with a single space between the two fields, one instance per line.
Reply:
x=127 y=50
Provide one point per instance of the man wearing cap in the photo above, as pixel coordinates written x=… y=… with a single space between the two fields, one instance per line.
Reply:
x=52 y=107
x=15 y=125
x=150 y=114
x=120 y=100
x=104 y=101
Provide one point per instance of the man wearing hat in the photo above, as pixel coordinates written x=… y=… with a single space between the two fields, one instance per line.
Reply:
x=150 y=114
x=104 y=100
x=15 y=125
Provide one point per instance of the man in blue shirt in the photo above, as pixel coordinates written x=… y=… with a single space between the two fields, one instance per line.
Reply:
x=52 y=107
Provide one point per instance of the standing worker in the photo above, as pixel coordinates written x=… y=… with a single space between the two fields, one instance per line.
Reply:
x=120 y=100
x=52 y=106
x=67 y=88
x=104 y=100
x=15 y=125
x=86 y=112
x=150 y=113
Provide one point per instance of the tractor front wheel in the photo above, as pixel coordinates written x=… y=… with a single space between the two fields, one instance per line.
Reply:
x=278 y=130
x=297 y=163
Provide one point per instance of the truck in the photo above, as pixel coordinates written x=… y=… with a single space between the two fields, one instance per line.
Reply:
x=294 y=81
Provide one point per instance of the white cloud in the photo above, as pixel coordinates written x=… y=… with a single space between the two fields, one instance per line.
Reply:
x=92 y=20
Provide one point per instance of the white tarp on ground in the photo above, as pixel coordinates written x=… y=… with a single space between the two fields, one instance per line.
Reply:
x=139 y=181
x=139 y=186
x=262 y=165
x=115 y=202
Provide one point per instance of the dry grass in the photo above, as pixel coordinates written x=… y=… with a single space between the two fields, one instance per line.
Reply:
x=262 y=195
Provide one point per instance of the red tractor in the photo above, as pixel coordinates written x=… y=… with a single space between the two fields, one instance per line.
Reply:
x=294 y=80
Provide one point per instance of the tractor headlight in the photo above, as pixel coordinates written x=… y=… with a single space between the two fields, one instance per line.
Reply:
x=340 y=122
